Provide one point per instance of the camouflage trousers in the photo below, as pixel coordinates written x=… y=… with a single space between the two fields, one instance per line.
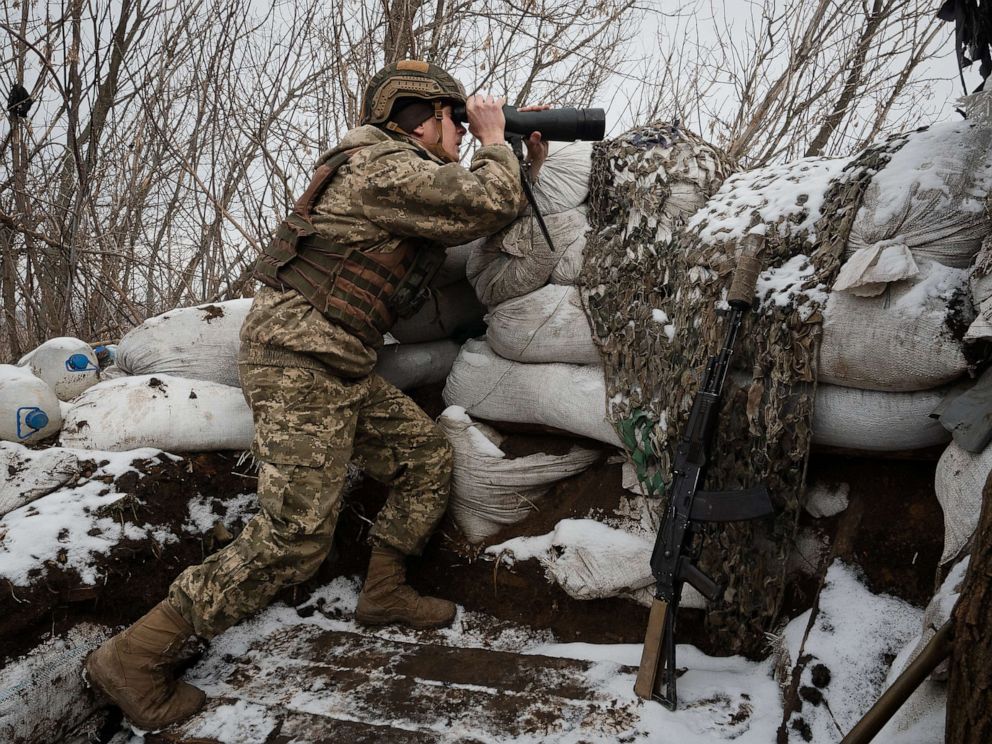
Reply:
x=308 y=425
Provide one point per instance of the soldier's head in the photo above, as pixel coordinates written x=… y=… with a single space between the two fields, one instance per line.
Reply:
x=414 y=98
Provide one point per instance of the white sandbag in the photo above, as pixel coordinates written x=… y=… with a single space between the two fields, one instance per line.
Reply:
x=489 y=491
x=981 y=299
x=43 y=696
x=591 y=560
x=447 y=312
x=67 y=364
x=546 y=325
x=409 y=366
x=876 y=421
x=31 y=474
x=29 y=408
x=959 y=481
x=200 y=343
x=170 y=413
x=563 y=181
x=455 y=260
x=899 y=341
x=565 y=396
x=517 y=259
x=931 y=195
x=569 y=265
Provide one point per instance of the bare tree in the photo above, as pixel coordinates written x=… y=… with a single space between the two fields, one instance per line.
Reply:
x=793 y=78
x=167 y=140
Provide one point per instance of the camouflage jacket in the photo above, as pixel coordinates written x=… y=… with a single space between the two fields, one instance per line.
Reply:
x=389 y=190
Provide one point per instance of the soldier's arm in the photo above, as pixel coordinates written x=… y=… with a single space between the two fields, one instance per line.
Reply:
x=413 y=197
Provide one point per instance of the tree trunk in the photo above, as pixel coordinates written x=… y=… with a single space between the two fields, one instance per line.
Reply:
x=969 y=691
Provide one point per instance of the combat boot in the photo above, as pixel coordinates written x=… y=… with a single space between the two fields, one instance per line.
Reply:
x=133 y=669
x=387 y=598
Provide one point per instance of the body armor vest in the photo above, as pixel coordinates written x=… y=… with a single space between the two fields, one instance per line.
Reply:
x=363 y=291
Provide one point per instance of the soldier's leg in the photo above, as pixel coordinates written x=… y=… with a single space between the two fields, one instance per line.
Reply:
x=304 y=425
x=400 y=445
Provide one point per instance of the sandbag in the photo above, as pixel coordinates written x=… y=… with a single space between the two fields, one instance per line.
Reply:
x=490 y=491
x=959 y=481
x=570 y=397
x=980 y=281
x=29 y=408
x=174 y=414
x=448 y=312
x=517 y=259
x=199 y=343
x=563 y=181
x=409 y=366
x=546 y=325
x=43 y=696
x=931 y=195
x=591 y=560
x=67 y=364
x=877 y=421
x=31 y=474
x=901 y=340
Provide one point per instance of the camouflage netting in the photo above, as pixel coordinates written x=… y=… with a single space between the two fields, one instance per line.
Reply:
x=652 y=282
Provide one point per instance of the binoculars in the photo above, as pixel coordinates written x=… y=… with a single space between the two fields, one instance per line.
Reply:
x=560 y=124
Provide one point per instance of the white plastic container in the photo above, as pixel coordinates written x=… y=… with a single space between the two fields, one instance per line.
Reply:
x=67 y=364
x=29 y=408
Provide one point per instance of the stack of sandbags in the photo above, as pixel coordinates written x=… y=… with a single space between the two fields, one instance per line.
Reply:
x=897 y=317
x=895 y=320
x=175 y=382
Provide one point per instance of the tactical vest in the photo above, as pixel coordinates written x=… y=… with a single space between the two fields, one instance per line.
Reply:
x=363 y=291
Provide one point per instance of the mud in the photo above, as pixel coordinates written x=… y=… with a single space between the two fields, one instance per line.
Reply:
x=137 y=573
x=897 y=543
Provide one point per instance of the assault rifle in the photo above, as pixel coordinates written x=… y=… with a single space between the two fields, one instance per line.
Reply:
x=676 y=547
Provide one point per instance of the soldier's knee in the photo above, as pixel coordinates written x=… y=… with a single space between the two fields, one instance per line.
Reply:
x=304 y=560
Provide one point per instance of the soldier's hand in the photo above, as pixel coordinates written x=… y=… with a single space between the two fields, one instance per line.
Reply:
x=537 y=149
x=485 y=119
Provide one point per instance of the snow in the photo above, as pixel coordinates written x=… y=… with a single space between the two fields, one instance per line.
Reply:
x=823 y=500
x=241 y=721
x=925 y=165
x=937 y=282
x=714 y=692
x=789 y=195
x=202 y=516
x=852 y=636
x=62 y=528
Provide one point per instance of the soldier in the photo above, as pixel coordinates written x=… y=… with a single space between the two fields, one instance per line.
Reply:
x=358 y=249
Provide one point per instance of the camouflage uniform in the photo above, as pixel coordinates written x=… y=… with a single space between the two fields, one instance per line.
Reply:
x=315 y=401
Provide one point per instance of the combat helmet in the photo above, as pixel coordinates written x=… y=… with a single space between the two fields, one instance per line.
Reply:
x=409 y=79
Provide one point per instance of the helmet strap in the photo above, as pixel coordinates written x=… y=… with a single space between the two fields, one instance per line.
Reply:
x=437 y=149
